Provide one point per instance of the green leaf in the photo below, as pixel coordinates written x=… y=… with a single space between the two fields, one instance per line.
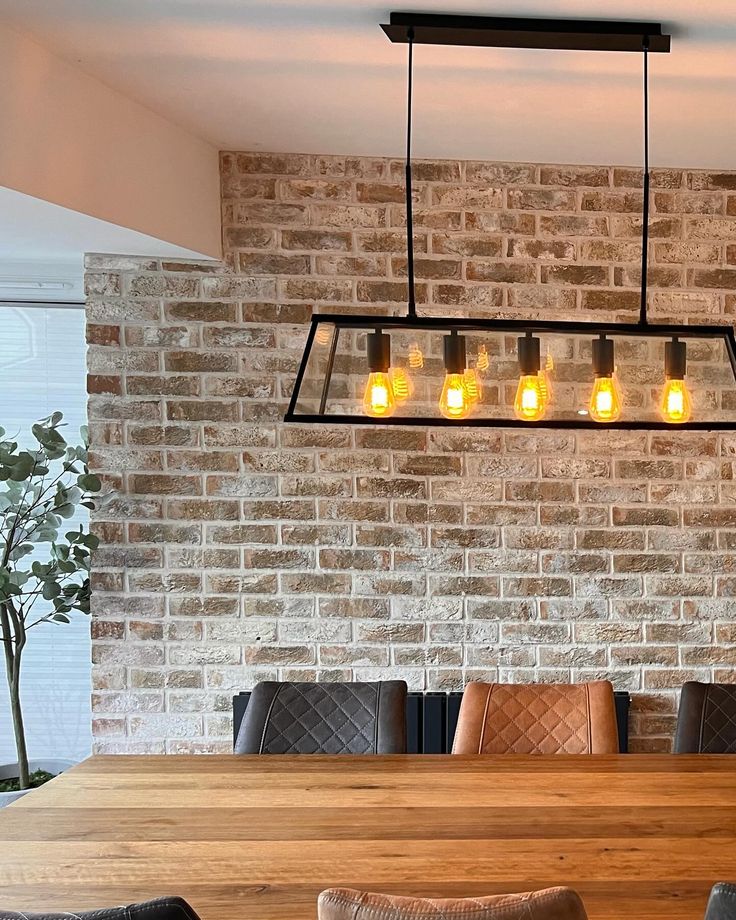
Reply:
x=51 y=589
x=89 y=482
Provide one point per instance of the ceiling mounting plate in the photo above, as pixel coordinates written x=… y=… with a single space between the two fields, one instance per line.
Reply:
x=512 y=32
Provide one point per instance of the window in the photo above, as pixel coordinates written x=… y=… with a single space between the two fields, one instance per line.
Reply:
x=42 y=369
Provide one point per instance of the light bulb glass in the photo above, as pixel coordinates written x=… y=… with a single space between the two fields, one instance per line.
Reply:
x=378 y=398
x=675 y=405
x=530 y=403
x=605 y=400
x=401 y=384
x=473 y=384
x=483 y=361
x=455 y=401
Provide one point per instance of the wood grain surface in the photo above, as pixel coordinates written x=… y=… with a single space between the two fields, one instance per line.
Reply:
x=257 y=838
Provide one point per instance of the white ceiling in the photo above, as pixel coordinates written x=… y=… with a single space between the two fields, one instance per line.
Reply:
x=320 y=76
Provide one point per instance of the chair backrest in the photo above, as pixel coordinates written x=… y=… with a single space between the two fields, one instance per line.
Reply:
x=332 y=718
x=722 y=902
x=549 y=904
x=706 y=721
x=159 y=909
x=537 y=719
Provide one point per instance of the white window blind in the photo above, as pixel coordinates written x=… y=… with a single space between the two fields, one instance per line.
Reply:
x=42 y=370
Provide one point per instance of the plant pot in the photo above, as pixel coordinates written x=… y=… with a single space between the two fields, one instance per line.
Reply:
x=50 y=764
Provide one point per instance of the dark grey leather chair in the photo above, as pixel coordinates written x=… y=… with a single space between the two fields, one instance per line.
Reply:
x=160 y=909
x=333 y=718
x=706 y=721
x=722 y=902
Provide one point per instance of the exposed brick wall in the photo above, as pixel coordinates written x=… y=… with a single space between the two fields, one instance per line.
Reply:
x=236 y=548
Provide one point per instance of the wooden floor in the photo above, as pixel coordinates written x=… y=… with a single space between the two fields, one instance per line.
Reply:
x=256 y=838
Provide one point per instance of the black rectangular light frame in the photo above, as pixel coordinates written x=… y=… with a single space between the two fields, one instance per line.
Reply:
x=513 y=32
x=517 y=326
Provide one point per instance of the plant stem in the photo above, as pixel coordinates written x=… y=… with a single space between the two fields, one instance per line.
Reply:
x=16 y=638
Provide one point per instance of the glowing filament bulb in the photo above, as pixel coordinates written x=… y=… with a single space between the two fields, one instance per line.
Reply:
x=605 y=400
x=530 y=403
x=472 y=384
x=323 y=334
x=532 y=393
x=401 y=384
x=675 y=405
x=416 y=358
x=378 y=399
x=454 y=401
x=482 y=362
x=378 y=396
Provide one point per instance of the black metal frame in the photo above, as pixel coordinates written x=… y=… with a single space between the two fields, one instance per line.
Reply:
x=467 y=324
x=512 y=32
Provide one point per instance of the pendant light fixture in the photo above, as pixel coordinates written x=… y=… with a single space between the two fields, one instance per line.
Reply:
x=452 y=391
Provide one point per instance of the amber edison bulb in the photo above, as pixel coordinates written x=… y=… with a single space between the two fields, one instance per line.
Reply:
x=378 y=398
x=676 y=405
x=473 y=384
x=605 y=400
x=530 y=403
x=482 y=361
x=455 y=402
x=401 y=384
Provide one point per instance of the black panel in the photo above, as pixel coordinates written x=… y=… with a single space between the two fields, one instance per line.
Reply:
x=511 y=32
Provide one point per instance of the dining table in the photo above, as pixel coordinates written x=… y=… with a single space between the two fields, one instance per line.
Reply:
x=258 y=837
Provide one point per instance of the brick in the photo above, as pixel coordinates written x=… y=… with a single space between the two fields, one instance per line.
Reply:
x=540 y=199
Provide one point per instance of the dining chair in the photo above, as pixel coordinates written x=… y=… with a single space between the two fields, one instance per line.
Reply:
x=168 y=908
x=537 y=719
x=706 y=721
x=548 y=904
x=722 y=902
x=329 y=718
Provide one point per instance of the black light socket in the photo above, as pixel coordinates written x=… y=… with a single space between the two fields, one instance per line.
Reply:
x=455 y=353
x=675 y=359
x=603 y=364
x=529 y=360
x=379 y=352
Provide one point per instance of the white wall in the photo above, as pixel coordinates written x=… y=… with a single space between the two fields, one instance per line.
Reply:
x=71 y=140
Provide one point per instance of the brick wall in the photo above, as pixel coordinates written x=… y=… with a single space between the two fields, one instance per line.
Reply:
x=235 y=548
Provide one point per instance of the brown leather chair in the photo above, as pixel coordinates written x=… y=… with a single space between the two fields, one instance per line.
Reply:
x=706 y=721
x=549 y=904
x=537 y=719
x=330 y=718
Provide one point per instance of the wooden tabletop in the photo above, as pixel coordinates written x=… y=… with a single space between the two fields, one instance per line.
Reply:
x=256 y=838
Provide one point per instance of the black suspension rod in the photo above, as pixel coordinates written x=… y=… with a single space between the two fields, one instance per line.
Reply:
x=412 y=306
x=645 y=203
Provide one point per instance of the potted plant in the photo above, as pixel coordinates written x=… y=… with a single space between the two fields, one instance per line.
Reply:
x=39 y=490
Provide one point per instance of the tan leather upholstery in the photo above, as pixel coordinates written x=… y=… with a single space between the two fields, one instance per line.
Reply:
x=549 y=904
x=537 y=719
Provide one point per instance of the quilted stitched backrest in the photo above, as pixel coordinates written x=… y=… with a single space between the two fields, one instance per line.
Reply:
x=718 y=735
x=158 y=909
x=549 y=904
x=537 y=719
x=331 y=718
x=706 y=721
